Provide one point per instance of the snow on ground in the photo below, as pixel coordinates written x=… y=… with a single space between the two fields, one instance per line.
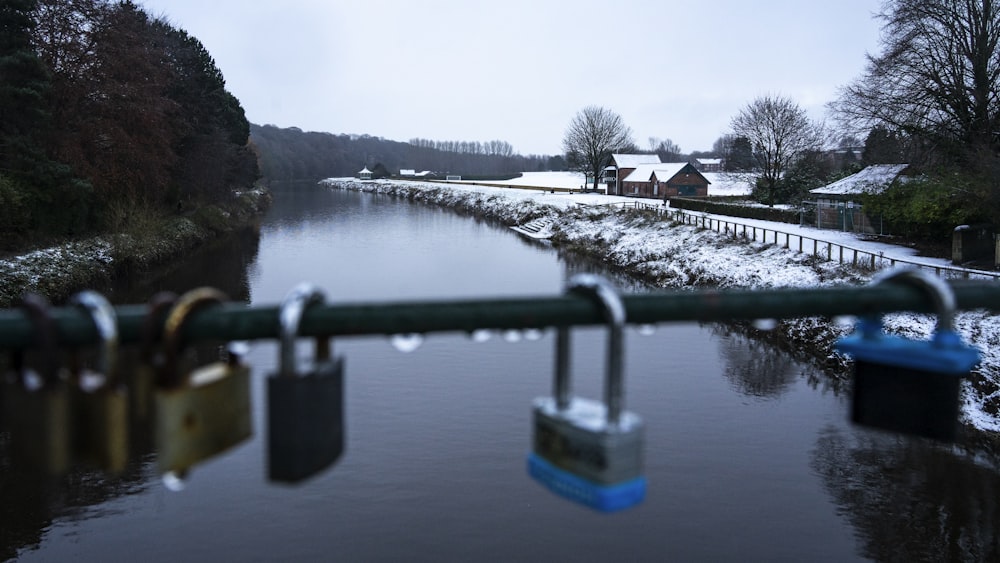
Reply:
x=680 y=256
x=720 y=184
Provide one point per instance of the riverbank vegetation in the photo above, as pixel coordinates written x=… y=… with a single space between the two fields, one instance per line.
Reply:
x=112 y=123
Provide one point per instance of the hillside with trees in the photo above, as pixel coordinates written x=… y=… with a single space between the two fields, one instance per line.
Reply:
x=108 y=115
x=293 y=154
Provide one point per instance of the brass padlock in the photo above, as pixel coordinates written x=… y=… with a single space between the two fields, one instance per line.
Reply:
x=36 y=405
x=201 y=412
x=305 y=411
x=99 y=399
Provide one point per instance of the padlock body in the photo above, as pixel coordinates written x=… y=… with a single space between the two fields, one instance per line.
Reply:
x=577 y=454
x=908 y=401
x=204 y=418
x=907 y=386
x=305 y=422
x=39 y=425
x=101 y=426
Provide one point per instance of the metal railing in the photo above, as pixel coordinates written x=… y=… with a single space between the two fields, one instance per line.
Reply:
x=233 y=321
x=819 y=248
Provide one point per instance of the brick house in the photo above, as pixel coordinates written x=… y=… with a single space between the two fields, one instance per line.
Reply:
x=621 y=166
x=665 y=180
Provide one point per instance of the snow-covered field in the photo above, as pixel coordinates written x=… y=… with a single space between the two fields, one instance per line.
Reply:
x=679 y=256
x=720 y=184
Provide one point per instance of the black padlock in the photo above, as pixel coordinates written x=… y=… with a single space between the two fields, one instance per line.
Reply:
x=907 y=386
x=305 y=411
x=588 y=451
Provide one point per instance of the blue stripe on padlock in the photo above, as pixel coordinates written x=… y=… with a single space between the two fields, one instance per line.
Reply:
x=606 y=498
x=945 y=353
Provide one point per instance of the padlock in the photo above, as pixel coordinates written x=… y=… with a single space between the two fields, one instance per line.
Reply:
x=305 y=412
x=36 y=404
x=141 y=380
x=585 y=450
x=907 y=386
x=201 y=412
x=99 y=400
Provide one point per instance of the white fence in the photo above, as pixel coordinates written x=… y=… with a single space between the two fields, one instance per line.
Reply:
x=794 y=241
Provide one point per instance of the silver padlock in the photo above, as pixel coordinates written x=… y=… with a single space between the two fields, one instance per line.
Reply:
x=100 y=401
x=585 y=450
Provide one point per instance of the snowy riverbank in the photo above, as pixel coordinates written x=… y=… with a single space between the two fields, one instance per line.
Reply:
x=58 y=270
x=679 y=256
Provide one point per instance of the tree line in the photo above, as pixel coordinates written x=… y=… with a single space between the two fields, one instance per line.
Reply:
x=293 y=154
x=107 y=113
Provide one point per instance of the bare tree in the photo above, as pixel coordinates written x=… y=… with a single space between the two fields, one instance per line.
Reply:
x=594 y=134
x=934 y=91
x=937 y=79
x=666 y=149
x=779 y=132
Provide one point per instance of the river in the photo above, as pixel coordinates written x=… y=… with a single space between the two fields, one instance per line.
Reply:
x=749 y=456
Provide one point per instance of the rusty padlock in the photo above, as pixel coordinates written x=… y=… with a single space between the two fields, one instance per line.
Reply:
x=36 y=403
x=200 y=412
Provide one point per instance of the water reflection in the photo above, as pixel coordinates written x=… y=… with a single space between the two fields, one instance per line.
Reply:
x=752 y=366
x=909 y=500
x=225 y=264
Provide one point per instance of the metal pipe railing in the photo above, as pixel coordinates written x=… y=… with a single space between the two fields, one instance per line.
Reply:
x=232 y=321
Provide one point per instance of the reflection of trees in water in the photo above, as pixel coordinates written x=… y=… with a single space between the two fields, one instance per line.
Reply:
x=574 y=263
x=224 y=264
x=757 y=365
x=30 y=503
x=754 y=367
x=910 y=500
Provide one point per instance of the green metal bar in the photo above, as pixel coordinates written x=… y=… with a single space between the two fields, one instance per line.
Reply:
x=234 y=321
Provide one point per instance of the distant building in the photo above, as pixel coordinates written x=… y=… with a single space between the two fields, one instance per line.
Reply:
x=365 y=174
x=708 y=164
x=665 y=180
x=838 y=204
x=621 y=166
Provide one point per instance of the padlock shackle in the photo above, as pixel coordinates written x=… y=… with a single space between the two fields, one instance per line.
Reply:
x=36 y=308
x=300 y=298
x=939 y=291
x=613 y=309
x=152 y=325
x=102 y=313
x=186 y=305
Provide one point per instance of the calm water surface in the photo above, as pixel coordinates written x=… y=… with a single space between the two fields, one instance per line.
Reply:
x=748 y=454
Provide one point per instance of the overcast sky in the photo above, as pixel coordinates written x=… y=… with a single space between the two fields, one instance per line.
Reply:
x=519 y=70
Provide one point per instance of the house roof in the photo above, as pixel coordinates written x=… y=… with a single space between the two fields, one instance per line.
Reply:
x=634 y=160
x=872 y=179
x=709 y=161
x=365 y=171
x=664 y=171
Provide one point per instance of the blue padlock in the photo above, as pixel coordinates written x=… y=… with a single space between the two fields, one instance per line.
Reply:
x=585 y=450
x=907 y=386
